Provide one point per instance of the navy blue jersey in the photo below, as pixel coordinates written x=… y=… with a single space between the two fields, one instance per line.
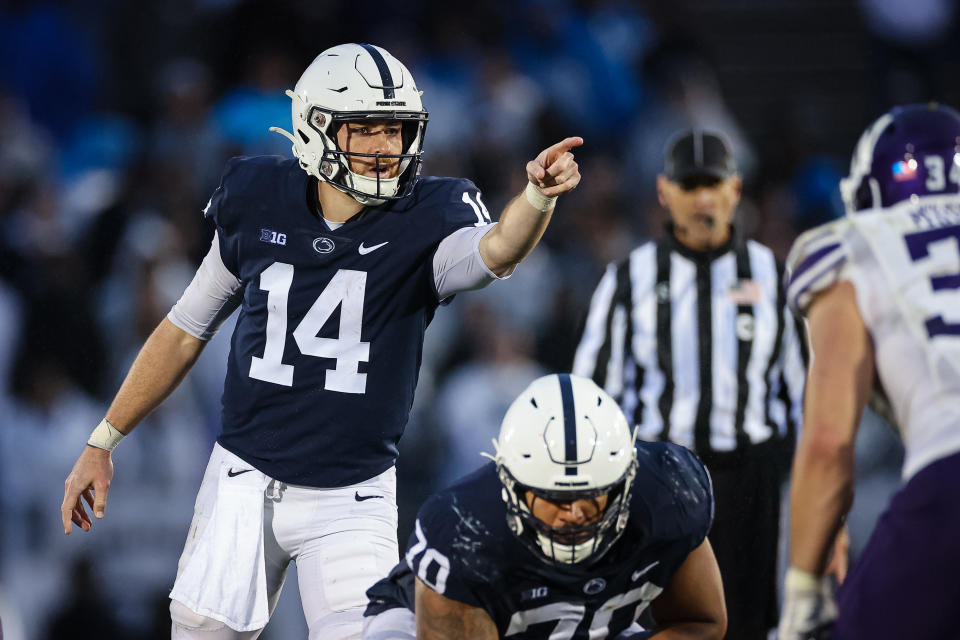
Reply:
x=463 y=549
x=326 y=352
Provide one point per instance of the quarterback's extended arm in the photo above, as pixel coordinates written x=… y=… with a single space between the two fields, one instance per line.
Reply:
x=440 y=618
x=837 y=390
x=525 y=218
x=692 y=605
x=164 y=360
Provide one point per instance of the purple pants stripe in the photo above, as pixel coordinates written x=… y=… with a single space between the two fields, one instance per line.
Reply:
x=906 y=584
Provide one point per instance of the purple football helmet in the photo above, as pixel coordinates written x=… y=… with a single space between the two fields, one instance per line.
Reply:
x=910 y=150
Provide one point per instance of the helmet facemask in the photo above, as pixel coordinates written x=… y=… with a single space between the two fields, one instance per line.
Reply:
x=565 y=439
x=335 y=162
x=332 y=165
x=574 y=544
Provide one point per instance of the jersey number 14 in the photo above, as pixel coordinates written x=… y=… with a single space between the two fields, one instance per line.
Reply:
x=346 y=290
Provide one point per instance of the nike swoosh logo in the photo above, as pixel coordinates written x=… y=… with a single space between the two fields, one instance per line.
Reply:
x=362 y=250
x=360 y=498
x=233 y=473
x=639 y=572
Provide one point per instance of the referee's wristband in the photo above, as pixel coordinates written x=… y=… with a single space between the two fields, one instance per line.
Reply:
x=537 y=200
x=105 y=436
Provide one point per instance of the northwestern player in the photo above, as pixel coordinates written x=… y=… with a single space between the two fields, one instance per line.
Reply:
x=338 y=260
x=881 y=294
x=570 y=533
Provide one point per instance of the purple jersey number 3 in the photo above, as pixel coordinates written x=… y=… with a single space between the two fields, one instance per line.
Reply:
x=918 y=244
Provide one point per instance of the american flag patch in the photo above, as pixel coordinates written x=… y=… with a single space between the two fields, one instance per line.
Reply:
x=744 y=292
x=904 y=170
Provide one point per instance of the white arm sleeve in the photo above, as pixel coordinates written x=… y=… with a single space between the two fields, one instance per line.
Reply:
x=457 y=264
x=212 y=296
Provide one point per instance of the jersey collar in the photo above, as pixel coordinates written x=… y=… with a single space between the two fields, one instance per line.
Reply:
x=702 y=256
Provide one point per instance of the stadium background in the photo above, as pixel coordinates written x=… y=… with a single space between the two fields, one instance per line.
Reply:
x=116 y=119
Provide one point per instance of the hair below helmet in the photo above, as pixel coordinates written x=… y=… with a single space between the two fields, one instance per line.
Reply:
x=562 y=440
x=912 y=150
x=356 y=83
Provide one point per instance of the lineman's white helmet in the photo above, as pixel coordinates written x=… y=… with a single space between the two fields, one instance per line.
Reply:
x=565 y=439
x=349 y=83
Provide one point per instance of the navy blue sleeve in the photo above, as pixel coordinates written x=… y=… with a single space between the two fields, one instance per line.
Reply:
x=464 y=207
x=693 y=492
x=431 y=554
x=224 y=216
x=461 y=205
x=675 y=488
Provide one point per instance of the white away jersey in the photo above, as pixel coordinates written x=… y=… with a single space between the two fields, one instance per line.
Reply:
x=904 y=262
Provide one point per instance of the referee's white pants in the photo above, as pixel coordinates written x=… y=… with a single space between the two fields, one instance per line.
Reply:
x=341 y=543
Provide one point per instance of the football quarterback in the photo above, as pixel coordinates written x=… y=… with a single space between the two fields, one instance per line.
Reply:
x=338 y=259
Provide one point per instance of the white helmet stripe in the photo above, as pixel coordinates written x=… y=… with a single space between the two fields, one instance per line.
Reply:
x=862 y=163
x=385 y=77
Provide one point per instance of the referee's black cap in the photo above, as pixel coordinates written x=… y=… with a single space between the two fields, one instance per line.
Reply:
x=695 y=153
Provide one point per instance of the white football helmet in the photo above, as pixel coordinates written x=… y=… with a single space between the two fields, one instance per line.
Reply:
x=356 y=82
x=565 y=439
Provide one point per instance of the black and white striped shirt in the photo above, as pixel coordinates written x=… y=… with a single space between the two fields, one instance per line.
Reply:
x=699 y=348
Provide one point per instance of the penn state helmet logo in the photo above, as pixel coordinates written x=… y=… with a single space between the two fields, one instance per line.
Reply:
x=323 y=245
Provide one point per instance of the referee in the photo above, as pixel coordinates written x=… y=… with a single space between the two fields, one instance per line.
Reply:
x=692 y=336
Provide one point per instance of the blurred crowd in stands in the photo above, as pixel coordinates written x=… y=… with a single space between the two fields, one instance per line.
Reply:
x=116 y=119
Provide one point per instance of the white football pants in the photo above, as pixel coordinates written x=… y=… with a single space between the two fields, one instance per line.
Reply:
x=343 y=540
x=392 y=624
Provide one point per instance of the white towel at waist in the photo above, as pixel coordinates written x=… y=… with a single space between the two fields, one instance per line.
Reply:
x=225 y=578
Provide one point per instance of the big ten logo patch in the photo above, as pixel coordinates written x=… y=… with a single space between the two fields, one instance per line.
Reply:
x=273 y=237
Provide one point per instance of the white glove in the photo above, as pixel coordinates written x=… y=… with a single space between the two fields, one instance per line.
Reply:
x=809 y=608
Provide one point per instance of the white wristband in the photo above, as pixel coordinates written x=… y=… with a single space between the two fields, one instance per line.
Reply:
x=105 y=436
x=537 y=200
x=800 y=580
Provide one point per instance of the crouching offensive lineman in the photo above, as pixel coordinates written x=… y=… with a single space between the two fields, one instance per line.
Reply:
x=572 y=532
